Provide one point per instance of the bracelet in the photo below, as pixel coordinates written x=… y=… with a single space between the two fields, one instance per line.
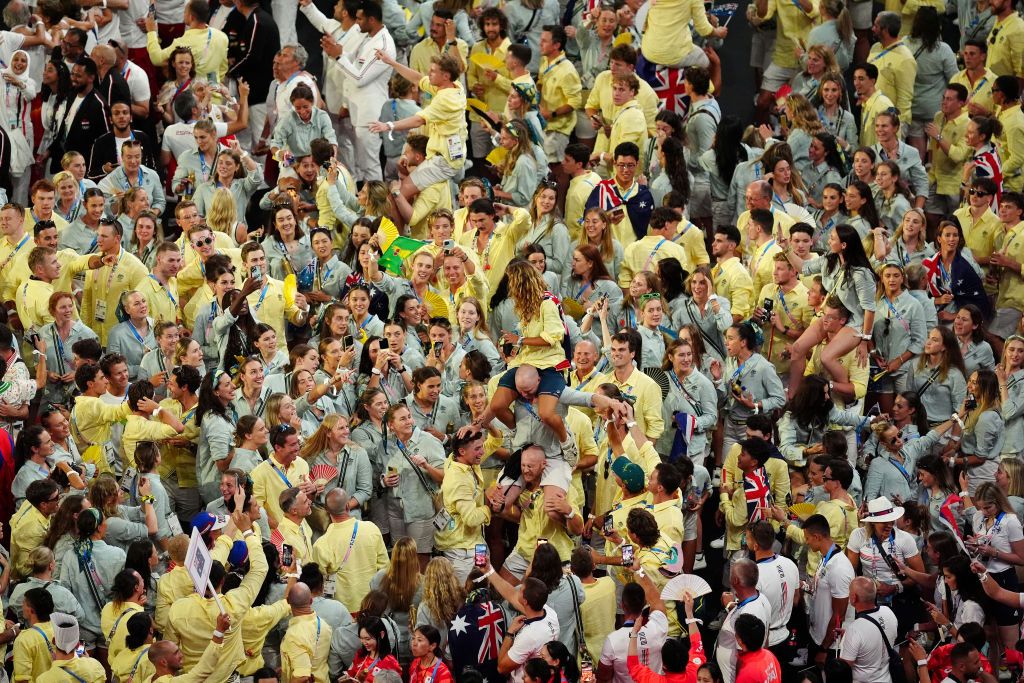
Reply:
x=484 y=578
x=922 y=662
x=694 y=621
x=640 y=572
x=632 y=636
x=630 y=425
x=247 y=533
x=148 y=499
x=293 y=575
x=391 y=126
x=216 y=634
x=984 y=577
x=572 y=513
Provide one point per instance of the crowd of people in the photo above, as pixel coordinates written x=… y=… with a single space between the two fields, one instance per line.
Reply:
x=385 y=341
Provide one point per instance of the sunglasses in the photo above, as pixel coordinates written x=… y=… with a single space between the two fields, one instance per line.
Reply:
x=888 y=324
x=203 y=242
x=107 y=221
x=979 y=193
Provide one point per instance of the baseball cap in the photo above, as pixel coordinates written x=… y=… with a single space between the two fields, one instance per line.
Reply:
x=239 y=554
x=631 y=474
x=207 y=521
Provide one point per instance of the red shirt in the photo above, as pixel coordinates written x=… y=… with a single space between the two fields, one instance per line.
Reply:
x=758 y=667
x=434 y=673
x=641 y=674
x=371 y=665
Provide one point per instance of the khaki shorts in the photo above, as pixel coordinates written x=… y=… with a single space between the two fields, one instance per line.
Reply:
x=434 y=170
x=554 y=146
x=516 y=565
x=776 y=76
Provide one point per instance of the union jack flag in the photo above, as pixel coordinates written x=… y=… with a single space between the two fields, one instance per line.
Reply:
x=988 y=165
x=939 y=281
x=758 y=493
x=475 y=636
x=607 y=196
x=671 y=90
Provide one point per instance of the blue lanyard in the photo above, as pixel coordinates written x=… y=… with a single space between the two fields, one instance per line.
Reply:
x=167 y=291
x=739 y=370
x=281 y=474
x=127 y=182
x=530 y=410
x=584 y=289
x=654 y=252
x=746 y=601
x=903 y=470
x=896 y=313
x=135 y=333
x=203 y=166
x=45 y=639
x=263 y=295
x=552 y=65
x=74 y=675
x=828 y=556
x=886 y=51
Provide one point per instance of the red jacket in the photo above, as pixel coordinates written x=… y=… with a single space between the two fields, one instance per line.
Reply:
x=641 y=674
x=758 y=667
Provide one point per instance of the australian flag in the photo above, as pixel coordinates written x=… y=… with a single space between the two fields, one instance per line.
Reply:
x=638 y=201
x=475 y=637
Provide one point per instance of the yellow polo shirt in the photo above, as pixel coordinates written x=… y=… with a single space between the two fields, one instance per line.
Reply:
x=14 y=264
x=733 y=283
x=209 y=45
x=535 y=523
x=875 y=105
x=1006 y=46
x=30 y=221
x=946 y=170
x=1011 y=285
x=500 y=249
x=432 y=198
x=783 y=222
x=560 y=85
x=133 y=661
x=446 y=122
x=91 y=419
x=103 y=289
x=794 y=26
x=32 y=656
x=644 y=254
x=193 y=276
x=268 y=481
x=979 y=92
x=85 y=669
x=666 y=35
x=368 y=556
x=908 y=9
x=114 y=624
x=462 y=490
x=305 y=647
x=177 y=460
x=170 y=587
x=842 y=520
x=669 y=516
x=600 y=98
x=628 y=125
x=897 y=70
x=298 y=536
x=691 y=239
x=475 y=286
x=268 y=306
x=648 y=400
x=164 y=302
x=549 y=327
x=762 y=266
x=1011 y=147
x=221 y=241
x=28 y=528
x=424 y=51
x=981 y=235
x=494 y=97
x=138 y=429
x=795 y=313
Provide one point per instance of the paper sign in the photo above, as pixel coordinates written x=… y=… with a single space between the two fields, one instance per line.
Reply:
x=198 y=562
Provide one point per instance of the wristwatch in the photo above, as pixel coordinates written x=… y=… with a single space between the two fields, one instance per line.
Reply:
x=376 y=371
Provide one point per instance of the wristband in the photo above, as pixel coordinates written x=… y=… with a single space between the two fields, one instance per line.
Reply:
x=293 y=575
x=247 y=533
x=630 y=425
x=640 y=573
x=148 y=499
x=572 y=513
x=922 y=662
x=156 y=411
x=216 y=634
x=391 y=126
x=984 y=577
x=964 y=494
x=484 y=578
x=694 y=621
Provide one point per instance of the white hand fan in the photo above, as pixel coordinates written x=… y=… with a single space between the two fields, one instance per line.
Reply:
x=677 y=588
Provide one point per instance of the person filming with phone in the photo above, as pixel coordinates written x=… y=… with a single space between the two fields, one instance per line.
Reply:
x=464 y=501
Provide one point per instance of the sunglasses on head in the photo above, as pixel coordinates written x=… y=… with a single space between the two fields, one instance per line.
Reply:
x=203 y=242
x=107 y=221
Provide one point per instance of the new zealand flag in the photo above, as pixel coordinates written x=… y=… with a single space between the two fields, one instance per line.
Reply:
x=475 y=637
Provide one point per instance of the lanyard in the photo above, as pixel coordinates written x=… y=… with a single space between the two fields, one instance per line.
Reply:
x=62 y=359
x=14 y=252
x=530 y=410
x=203 y=167
x=110 y=275
x=738 y=372
x=135 y=333
x=127 y=181
x=263 y=295
x=785 y=305
x=886 y=51
x=74 y=675
x=45 y=639
x=653 y=252
x=281 y=474
x=757 y=261
x=903 y=470
x=585 y=287
x=746 y=601
x=892 y=309
x=552 y=65
x=167 y=291
x=981 y=84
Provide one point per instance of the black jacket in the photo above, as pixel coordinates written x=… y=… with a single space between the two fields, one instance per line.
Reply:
x=104 y=151
x=90 y=122
x=113 y=89
x=252 y=43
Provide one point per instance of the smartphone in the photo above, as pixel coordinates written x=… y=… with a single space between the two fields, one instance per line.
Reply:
x=480 y=555
x=255 y=274
x=646 y=613
x=587 y=673
x=287 y=555
x=609 y=525
x=437 y=349
x=347 y=341
x=392 y=470
x=971 y=402
x=448 y=245
x=627 y=555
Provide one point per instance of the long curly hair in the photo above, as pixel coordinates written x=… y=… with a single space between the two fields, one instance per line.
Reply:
x=801 y=111
x=442 y=593
x=317 y=443
x=402 y=578
x=524 y=147
x=526 y=288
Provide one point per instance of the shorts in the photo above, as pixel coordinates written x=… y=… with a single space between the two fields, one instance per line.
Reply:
x=776 y=76
x=761 y=47
x=941 y=204
x=557 y=473
x=554 y=146
x=689 y=526
x=552 y=382
x=434 y=170
x=584 y=126
x=700 y=198
x=462 y=562
x=860 y=12
x=516 y=565
x=421 y=531
x=1004 y=614
x=1005 y=322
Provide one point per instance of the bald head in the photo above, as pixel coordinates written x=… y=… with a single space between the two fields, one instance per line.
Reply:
x=527 y=381
x=104 y=56
x=337 y=502
x=862 y=591
x=300 y=597
x=161 y=650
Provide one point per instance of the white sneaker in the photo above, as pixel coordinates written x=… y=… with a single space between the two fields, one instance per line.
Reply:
x=699 y=562
x=716 y=479
x=718 y=543
x=569 y=451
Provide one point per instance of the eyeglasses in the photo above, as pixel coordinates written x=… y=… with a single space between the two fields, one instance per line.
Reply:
x=979 y=193
x=893 y=440
x=625 y=165
x=203 y=242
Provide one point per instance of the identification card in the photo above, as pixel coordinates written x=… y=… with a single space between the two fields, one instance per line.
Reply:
x=456 y=147
x=101 y=310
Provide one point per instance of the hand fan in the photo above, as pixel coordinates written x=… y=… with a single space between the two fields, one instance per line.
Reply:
x=323 y=473
x=803 y=510
x=291 y=286
x=660 y=377
x=278 y=540
x=684 y=584
x=486 y=61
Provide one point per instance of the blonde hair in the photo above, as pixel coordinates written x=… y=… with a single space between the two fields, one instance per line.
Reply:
x=481 y=323
x=317 y=444
x=526 y=289
x=802 y=112
x=272 y=411
x=223 y=212
x=607 y=247
x=524 y=147
x=402 y=577
x=1015 y=474
x=988 y=492
x=442 y=593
